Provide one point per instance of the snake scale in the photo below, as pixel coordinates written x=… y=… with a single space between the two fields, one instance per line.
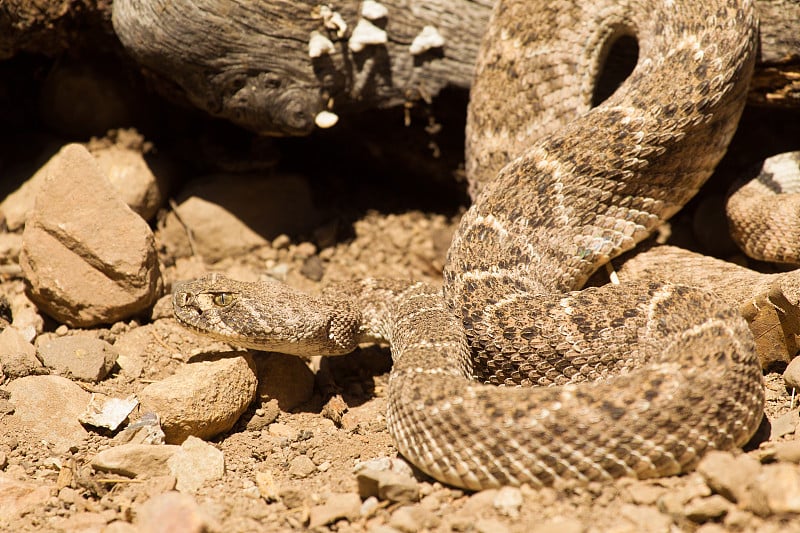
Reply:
x=638 y=379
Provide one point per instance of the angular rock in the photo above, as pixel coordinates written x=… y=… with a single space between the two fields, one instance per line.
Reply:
x=203 y=398
x=136 y=460
x=338 y=506
x=172 y=512
x=788 y=451
x=728 y=475
x=387 y=485
x=78 y=356
x=195 y=463
x=301 y=466
x=97 y=264
x=50 y=406
x=108 y=412
x=225 y=221
x=129 y=173
x=702 y=510
x=285 y=378
x=413 y=519
x=776 y=490
x=17 y=355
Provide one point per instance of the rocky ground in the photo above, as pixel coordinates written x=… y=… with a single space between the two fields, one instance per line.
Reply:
x=114 y=418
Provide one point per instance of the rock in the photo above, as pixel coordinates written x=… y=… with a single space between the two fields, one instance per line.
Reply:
x=131 y=347
x=203 y=398
x=776 y=490
x=126 y=169
x=508 y=501
x=788 y=451
x=17 y=355
x=146 y=430
x=387 y=485
x=702 y=510
x=195 y=463
x=285 y=378
x=87 y=266
x=786 y=424
x=50 y=406
x=645 y=518
x=78 y=356
x=264 y=416
x=136 y=460
x=338 y=506
x=106 y=412
x=171 y=512
x=18 y=498
x=301 y=467
x=335 y=409
x=413 y=519
x=225 y=221
x=728 y=475
x=791 y=376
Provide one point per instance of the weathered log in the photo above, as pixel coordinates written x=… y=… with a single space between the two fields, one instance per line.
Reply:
x=249 y=62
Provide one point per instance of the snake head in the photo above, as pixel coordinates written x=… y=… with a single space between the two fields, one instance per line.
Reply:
x=269 y=316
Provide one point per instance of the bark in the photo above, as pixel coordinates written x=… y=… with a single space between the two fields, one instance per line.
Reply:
x=249 y=62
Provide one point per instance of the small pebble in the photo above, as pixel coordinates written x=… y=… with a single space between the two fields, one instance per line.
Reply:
x=301 y=467
x=508 y=501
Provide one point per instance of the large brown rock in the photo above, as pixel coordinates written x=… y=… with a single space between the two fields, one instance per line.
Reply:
x=86 y=257
x=203 y=398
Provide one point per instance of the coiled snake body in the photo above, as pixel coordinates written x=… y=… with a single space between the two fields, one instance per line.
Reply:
x=638 y=379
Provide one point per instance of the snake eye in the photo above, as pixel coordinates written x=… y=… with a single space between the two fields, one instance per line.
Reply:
x=223 y=299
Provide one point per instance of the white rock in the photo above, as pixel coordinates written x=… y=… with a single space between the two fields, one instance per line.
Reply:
x=372 y=10
x=326 y=119
x=428 y=39
x=333 y=21
x=319 y=45
x=107 y=412
x=366 y=33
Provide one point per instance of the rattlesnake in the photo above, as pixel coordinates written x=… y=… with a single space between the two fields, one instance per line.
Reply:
x=638 y=379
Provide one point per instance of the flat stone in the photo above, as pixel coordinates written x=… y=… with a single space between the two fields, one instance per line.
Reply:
x=195 y=463
x=136 y=460
x=338 y=506
x=786 y=424
x=88 y=266
x=702 y=510
x=18 y=498
x=17 y=355
x=728 y=475
x=788 y=451
x=108 y=412
x=301 y=467
x=285 y=378
x=171 y=511
x=78 y=356
x=50 y=406
x=203 y=398
x=387 y=485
